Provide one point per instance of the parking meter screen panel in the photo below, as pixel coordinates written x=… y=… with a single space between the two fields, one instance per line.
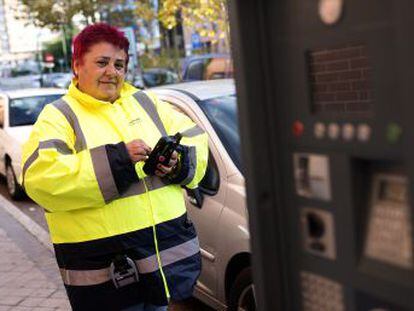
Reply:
x=389 y=232
x=340 y=81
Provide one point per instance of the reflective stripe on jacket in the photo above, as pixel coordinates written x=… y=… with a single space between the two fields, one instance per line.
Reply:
x=76 y=166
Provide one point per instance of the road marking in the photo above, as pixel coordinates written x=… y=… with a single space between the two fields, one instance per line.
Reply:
x=30 y=225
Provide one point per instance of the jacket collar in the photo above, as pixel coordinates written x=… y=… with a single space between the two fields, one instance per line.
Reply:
x=87 y=100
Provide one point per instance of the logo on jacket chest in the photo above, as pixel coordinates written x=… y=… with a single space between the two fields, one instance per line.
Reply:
x=134 y=121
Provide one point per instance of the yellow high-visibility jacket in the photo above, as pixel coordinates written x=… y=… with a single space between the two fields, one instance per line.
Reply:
x=76 y=166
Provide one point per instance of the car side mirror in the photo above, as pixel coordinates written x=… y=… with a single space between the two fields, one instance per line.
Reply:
x=195 y=197
x=211 y=180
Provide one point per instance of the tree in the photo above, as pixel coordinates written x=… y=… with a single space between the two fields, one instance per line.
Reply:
x=51 y=14
x=118 y=13
x=207 y=17
x=58 y=15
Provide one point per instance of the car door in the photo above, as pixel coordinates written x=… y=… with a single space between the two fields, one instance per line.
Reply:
x=213 y=190
x=207 y=216
x=3 y=124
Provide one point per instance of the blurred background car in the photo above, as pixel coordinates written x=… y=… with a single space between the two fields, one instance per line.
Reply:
x=19 y=110
x=159 y=76
x=57 y=79
x=20 y=82
x=206 y=67
x=218 y=207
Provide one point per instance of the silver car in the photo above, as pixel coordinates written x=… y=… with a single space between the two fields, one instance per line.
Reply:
x=19 y=110
x=218 y=207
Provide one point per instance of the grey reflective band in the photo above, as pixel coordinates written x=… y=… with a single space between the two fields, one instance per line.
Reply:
x=169 y=256
x=57 y=144
x=29 y=162
x=146 y=265
x=84 y=277
x=64 y=108
x=103 y=174
x=194 y=131
x=192 y=157
x=153 y=183
x=148 y=105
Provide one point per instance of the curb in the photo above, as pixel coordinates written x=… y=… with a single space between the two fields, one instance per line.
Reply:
x=30 y=225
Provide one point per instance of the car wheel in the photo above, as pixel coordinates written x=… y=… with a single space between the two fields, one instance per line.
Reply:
x=13 y=187
x=241 y=297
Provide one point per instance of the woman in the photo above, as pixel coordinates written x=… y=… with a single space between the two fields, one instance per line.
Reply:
x=122 y=239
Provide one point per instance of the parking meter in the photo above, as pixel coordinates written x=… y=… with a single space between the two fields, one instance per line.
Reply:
x=326 y=95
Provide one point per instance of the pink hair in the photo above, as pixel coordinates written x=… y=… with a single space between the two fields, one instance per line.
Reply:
x=98 y=33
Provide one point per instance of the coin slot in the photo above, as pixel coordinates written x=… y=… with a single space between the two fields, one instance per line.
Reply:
x=318 y=232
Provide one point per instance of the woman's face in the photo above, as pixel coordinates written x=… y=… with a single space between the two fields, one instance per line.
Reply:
x=101 y=71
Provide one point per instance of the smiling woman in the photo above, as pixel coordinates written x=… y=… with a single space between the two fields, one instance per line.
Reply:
x=101 y=71
x=122 y=238
x=100 y=68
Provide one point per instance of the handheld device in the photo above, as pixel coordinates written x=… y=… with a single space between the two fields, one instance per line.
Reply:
x=164 y=147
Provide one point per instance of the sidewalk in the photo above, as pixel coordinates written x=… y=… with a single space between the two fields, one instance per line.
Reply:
x=29 y=278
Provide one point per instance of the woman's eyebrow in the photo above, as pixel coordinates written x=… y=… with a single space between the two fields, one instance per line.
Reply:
x=108 y=58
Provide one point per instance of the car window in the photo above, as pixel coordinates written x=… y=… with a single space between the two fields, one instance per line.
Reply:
x=222 y=114
x=155 y=78
x=151 y=79
x=195 y=70
x=24 y=111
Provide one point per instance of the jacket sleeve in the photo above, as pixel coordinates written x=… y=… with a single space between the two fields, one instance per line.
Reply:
x=60 y=178
x=194 y=151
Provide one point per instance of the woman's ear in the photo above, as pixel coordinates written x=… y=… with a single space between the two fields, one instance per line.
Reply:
x=75 y=68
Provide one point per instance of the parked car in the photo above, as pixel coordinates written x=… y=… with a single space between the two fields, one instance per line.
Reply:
x=62 y=81
x=20 y=82
x=19 y=110
x=206 y=67
x=159 y=76
x=218 y=207
x=57 y=79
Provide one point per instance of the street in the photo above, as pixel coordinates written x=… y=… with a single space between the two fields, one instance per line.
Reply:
x=30 y=278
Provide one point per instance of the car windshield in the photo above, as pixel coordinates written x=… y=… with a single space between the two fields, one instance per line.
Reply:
x=25 y=110
x=222 y=114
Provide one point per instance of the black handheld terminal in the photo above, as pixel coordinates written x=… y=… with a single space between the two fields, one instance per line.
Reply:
x=164 y=147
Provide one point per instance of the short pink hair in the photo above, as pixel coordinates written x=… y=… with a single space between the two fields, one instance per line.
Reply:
x=98 y=33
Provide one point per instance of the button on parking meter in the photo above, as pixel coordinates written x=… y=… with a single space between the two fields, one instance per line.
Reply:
x=298 y=128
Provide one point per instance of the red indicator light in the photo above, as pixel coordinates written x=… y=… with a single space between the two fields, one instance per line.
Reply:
x=298 y=128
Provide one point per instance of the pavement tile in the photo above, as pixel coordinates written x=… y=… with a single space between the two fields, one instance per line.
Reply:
x=43 y=292
x=31 y=302
x=59 y=294
x=54 y=302
x=22 y=292
x=23 y=285
x=10 y=301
